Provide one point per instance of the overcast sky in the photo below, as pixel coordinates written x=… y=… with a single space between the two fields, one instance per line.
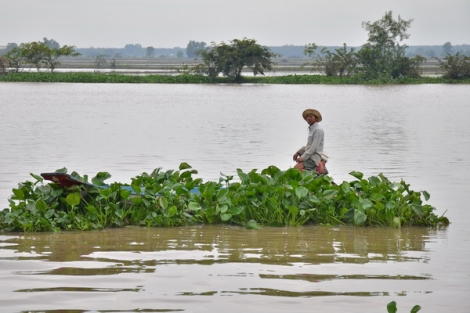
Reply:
x=173 y=23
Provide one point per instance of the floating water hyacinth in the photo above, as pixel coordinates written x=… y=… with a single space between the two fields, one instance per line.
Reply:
x=175 y=198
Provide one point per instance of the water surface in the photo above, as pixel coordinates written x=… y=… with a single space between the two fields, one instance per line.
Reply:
x=416 y=133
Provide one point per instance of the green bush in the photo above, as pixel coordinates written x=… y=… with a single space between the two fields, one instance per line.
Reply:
x=455 y=66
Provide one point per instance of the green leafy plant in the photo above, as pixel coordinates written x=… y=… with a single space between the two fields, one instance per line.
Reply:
x=174 y=198
x=392 y=308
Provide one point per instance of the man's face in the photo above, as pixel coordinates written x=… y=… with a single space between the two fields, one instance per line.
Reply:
x=310 y=118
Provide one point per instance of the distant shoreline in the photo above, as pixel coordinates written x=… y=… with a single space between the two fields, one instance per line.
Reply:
x=172 y=66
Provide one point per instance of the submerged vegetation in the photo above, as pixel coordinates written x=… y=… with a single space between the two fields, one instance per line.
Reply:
x=175 y=198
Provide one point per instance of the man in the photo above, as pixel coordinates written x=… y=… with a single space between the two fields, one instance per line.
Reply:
x=311 y=157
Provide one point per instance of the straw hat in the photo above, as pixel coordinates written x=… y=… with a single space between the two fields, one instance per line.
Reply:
x=314 y=112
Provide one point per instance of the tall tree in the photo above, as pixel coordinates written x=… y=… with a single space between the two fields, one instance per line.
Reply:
x=384 y=54
x=230 y=59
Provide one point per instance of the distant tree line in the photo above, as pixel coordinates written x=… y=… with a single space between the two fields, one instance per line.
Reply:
x=286 y=51
x=133 y=51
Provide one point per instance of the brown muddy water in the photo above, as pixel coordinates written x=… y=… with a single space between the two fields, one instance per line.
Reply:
x=216 y=268
x=417 y=133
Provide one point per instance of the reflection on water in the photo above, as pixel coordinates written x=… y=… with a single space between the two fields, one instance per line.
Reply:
x=222 y=244
x=209 y=261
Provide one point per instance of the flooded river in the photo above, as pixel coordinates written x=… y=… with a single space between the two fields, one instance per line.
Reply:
x=416 y=133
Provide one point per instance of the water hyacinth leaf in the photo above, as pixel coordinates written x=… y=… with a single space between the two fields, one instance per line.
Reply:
x=119 y=213
x=252 y=224
x=100 y=178
x=222 y=209
x=345 y=187
x=193 y=206
x=314 y=199
x=244 y=177
x=222 y=193
x=136 y=183
x=390 y=205
x=396 y=222
x=56 y=192
x=379 y=206
x=184 y=166
x=365 y=204
x=374 y=181
x=105 y=193
x=225 y=216
x=185 y=175
x=293 y=210
x=418 y=209
x=426 y=195
x=46 y=189
x=356 y=217
x=235 y=210
x=61 y=170
x=301 y=192
x=91 y=208
x=163 y=202
x=357 y=175
x=37 y=177
x=146 y=202
x=41 y=205
x=415 y=309
x=293 y=174
x=125 y=193
x=329 y=194
x=18 y=193
x=49 y=214
x=73 y=199
x=292 y=184
x=136 y=200
x=180 y=190
x=173 y=210
x=392 y=307
x=31 y=206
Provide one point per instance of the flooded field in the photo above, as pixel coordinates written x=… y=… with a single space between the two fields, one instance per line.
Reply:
x=418 y=133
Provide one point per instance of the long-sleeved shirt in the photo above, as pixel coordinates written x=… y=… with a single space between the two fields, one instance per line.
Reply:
x=314 y=147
